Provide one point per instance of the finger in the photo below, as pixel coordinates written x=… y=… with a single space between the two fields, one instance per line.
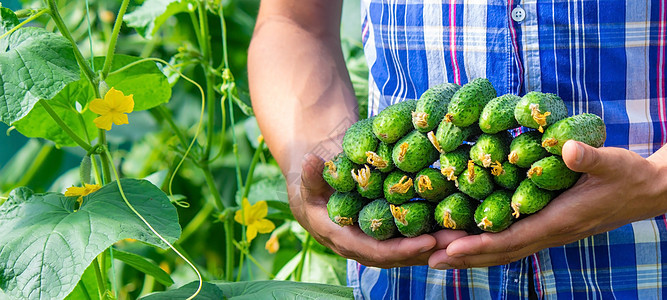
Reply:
x=351 y=242
x=529 y=231
x=440 y=260
x=311 y=176
x=580 y=157
x=446 y=236
x=388 y=253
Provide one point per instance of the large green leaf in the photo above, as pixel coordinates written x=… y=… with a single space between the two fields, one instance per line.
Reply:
x=143 y=265
x=46 y=244
x=34 y=64
x=145 y=81
x=253 y=290
x=148 y=18
x=39 y=124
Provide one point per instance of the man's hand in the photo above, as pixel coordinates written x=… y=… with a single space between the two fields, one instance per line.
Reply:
x=618 y=187
x=309 y=205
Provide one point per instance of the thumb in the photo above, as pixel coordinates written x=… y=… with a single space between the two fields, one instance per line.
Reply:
x=311 y=175
x=580 y=157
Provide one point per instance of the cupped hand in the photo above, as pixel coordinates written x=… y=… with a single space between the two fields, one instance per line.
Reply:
x=618 y=187
x=308 y=201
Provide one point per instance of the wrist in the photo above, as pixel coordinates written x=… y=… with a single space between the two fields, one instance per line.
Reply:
x=659 y=162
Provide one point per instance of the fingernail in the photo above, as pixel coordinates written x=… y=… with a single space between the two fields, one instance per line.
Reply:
x=580 y=153
x=425 y=249
x=442 y=266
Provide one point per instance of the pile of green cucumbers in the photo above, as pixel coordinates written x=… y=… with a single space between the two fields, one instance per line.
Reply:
x=448 y=160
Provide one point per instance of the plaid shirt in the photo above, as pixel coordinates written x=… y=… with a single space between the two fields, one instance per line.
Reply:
x=606 y=57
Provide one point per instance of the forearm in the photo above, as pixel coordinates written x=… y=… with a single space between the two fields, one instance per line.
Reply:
x=300 y=88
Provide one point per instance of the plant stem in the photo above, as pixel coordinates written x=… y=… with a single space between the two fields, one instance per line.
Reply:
x=241 y=257
x=225 y=61
x=106 y=162
x=78 y=140
x=87 y=70
x=229 y=249
x=26 y=21
x=195 y=26
x=213 y=188
x=170 y=121
x=148 y=286
x=251 y=171
x=101 y=285
x=114 y=38
x=254 y=261
x=223 y=29
x=205 y=47
x=306 y=248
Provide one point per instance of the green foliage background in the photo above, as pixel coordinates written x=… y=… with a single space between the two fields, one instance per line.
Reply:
x=148 y=149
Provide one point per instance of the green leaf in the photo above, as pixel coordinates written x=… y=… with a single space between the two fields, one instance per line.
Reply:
x=39 y=124
x=266 y=189
x=8 y=20
x=46 y=245
x=19 y=164
x=34 y=64
x=143 y=265
x=318 y=267
x=148 y=18
x=145 y=81
x=87 y=286
x=252 y=290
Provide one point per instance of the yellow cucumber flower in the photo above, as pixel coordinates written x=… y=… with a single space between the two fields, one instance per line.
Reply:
x=81 y=191
x=112 y=109
x=253 y=217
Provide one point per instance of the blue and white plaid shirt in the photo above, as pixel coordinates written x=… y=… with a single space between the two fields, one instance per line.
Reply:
x=606 y=57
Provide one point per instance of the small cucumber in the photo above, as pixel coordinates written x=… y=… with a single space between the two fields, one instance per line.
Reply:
x=414 y=152
x=358 y=140
x=432 y=106
x=539 y=110
x=432 y=185
x=394 y=121
x=452 y=164
x=526 y=149
x=344 y=208
x=448 y=137
x=376 y=220
x=399 y=187
x=337 y=173
x=551 y=173
x=475 y=182
x=369 y=182
x=498 y=114
x=456 y=212
x=585 y=128
x=508 y=176
x=413 y=218
x=381 y=158
x=469 y=101
x=528 y=198
x=495 y=212
x=491 y=148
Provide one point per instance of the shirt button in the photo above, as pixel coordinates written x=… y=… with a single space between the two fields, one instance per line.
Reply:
x=518 y=14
